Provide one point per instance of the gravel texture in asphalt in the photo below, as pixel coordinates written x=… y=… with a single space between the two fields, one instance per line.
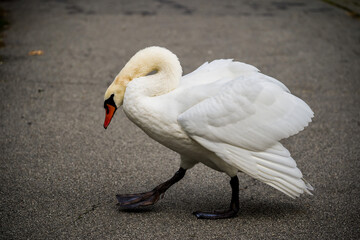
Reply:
x=60 y=170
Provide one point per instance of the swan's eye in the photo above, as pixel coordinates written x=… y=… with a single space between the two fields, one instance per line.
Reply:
x=152 y=72
x=110 y=102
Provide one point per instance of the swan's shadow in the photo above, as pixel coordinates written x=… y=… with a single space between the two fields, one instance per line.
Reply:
x=271 y=209
x=248 y=209
x=143 y=209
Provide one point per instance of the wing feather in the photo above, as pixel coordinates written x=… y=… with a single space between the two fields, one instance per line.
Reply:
x=247 y=113
x=243 y=124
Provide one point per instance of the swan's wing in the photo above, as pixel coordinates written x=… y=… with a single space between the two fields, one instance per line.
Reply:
x=224 y=68
x=243 y=123
x=248 y=113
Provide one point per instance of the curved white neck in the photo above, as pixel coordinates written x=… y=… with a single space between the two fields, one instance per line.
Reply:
x=167 y=76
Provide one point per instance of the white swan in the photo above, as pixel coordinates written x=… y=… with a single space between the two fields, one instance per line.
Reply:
x=226 y=115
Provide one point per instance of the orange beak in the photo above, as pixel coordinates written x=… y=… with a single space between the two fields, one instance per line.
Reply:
x=110 y=110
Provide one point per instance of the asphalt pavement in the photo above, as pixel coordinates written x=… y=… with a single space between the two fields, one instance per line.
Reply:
x=60 y=170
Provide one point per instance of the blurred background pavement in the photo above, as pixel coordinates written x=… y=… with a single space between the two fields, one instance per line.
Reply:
x=60 y=170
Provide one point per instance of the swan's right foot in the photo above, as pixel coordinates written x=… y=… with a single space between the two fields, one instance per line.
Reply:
x=149 y=198
x=217 y=214
x=234 y=205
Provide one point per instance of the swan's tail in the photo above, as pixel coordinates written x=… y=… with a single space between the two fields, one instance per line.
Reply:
x=274 y=166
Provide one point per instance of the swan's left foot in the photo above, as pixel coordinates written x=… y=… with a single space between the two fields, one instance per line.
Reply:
x=234 y=206
x=138 y=200
x=149 y=198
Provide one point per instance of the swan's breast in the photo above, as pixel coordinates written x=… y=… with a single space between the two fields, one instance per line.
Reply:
x=158 y=119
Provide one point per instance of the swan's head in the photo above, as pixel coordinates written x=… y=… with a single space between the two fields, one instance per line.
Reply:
x=114 y=97
x=144 y=62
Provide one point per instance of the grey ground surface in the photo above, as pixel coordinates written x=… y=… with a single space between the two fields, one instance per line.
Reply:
x=60 y=170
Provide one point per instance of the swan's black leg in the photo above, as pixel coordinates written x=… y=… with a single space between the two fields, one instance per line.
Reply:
x=234 y=206
x=149 y=198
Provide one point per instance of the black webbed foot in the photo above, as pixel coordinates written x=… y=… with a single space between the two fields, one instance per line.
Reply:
x=148 y=198
x=234 y=205
x=138 y=200
x=216 y=214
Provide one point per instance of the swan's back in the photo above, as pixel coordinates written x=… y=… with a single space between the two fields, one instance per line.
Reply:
x=224 y=69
